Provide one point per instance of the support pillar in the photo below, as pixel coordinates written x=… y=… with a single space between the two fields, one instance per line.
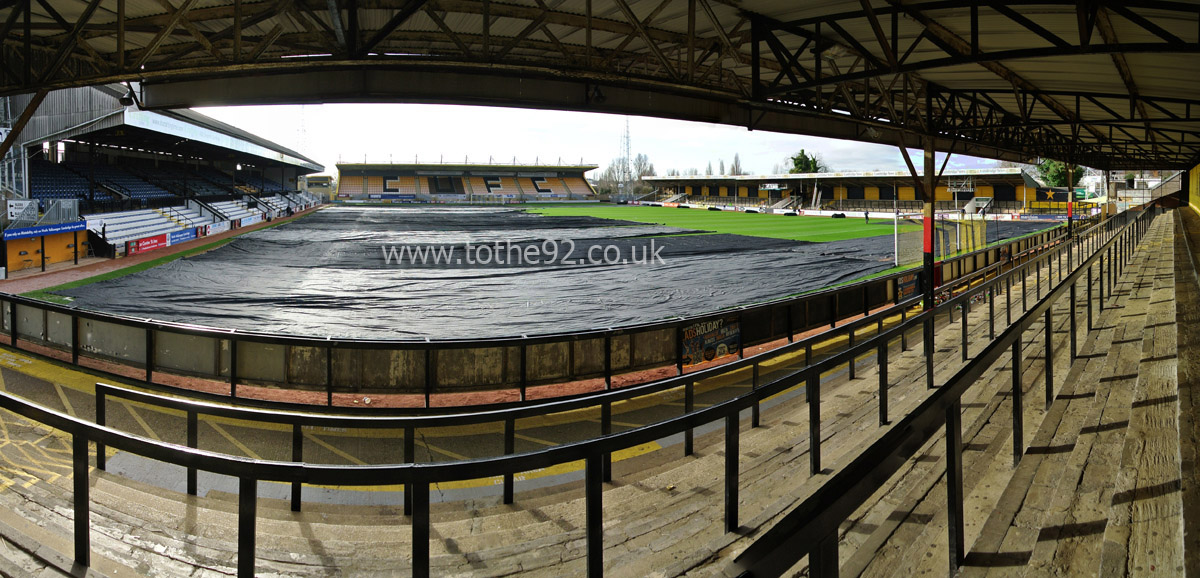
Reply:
x=928 y=193
x=1070 y=197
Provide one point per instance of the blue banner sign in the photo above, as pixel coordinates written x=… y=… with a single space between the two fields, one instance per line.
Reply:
x=177 y=237
x=26 y=232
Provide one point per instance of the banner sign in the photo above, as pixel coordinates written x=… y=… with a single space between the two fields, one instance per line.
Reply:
x=177 y=237
x=26 y=232
x=215 y=228
x=252 y=220
x=709 y=340
x=907 y=286
x=15 y=208
x=146 y=244
x=343 y=195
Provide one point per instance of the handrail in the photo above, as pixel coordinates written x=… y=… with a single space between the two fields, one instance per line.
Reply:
x=818 y=516
x=149 y=326
x=898 y=441
x=459 y=415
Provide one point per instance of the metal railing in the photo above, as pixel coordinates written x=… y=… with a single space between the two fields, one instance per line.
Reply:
x=144 y=348
x=811 y=523
x=811 y=527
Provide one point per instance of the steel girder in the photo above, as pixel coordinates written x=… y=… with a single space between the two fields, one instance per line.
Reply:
x=863 y=73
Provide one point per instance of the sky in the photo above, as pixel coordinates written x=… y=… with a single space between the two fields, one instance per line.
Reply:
x=428 y=133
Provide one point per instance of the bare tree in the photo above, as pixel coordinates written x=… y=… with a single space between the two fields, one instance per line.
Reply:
x=736 y=168
x=642 y=167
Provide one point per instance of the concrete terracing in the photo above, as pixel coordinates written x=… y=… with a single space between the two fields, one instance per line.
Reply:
x=1098 y=489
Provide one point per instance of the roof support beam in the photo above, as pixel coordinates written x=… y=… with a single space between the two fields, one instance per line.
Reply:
x=4 y=30
x=880 y=37
x=959 y=47
x=266 y=42
x=339 y=29
x=400 y=17
x=1104 y=25
x=441 y=24
x=1030 y=25
x=1085 y=12
x=640 y=28
x=162 y=34
x=69 y=42
x=22 y=120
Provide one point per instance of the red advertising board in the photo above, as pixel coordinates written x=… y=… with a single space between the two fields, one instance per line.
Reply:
x=146 y=244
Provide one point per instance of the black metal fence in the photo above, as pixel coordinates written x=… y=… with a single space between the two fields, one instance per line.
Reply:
x=813 y=524
x=164 y=353
x=811 y=527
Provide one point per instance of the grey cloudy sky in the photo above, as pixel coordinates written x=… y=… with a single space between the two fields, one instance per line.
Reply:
x=402 y=133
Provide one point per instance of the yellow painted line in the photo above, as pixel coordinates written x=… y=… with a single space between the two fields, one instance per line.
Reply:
x=234 y=441
x=335 y=450
x=138 y=418
x=62 y=395
x=533 y=439
x=444 y=452
x=30 y=465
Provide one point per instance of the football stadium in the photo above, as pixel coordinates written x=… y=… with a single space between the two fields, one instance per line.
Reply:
x=222 y=356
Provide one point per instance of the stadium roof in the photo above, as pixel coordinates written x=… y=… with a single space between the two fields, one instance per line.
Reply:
x=461 y=168
x=1102 y=83
x=208 y=122
x=95 y=115
x=998 y=173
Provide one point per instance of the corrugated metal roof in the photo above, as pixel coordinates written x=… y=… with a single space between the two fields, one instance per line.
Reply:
x=831 y=62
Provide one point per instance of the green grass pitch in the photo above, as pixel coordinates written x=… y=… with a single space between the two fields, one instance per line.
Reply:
x=812 y=229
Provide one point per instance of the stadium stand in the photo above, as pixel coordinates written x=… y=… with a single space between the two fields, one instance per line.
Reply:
x=350 y=185
x=53 y=181
x=476 y=185
x=129 y=225
x=276 y=203
x=119 y=180
x=185 y=216
x=265 y=185
x=215 y=176
x=543 y=187
x=500 y=186
x=399 y=185
x=180 y=180
x=447 y=183
x=233 y=210
x=578 y=187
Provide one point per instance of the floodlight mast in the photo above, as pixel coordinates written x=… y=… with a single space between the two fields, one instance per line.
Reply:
x=626 y=168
